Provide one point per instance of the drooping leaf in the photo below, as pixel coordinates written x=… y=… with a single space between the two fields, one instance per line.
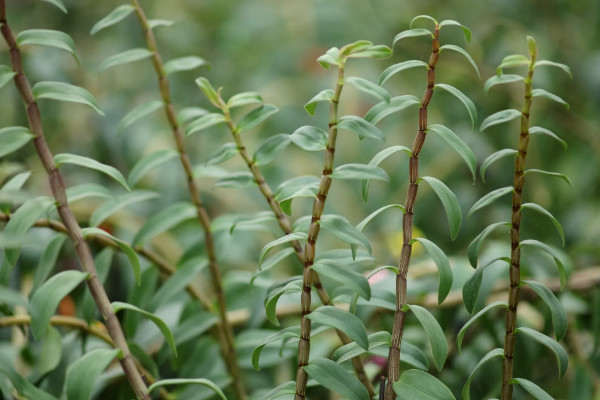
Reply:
x=285 y=391
x=457 y=144
x=58 y=4
x=564 y=177
x=549 y=250
x=489 y=199
x=343 y=230
x=449 y=202
x=45 y=300
x=103 y=261
x=412 y=33
x=394 y=69
x=47 y=37
x=501 y=80
x=415 y=384
x=301 y=186
x=285 y=239
x=493 y=158
x=355 y=47
x=466 y=391
x=293 y=286
x=360 y=126
x=177 y=282
x=290 y=332
x=331 y=57
x=463 y=99
x=222 y=154
x=359 y=171
x=209 y=91
x=499 y=118
x=543 y=211
x=148 y=163
x=125 y=57
x=463 y=330
x=443 y=265
x=435 y=334
x=271 y=148
x=335 y=378
x=184 y=64
x=375 y=161
x=383 y=109
x=82 y=374
x=351 y=350
x=462 y=51
x=22 y=385
x=511 y=61
x=203 y=122
x=375 y=213
x=90 y=163
x=163 y=221
x=345 y=275
x=195 y=381
x=559 y=315
x=6 y=75
x=340 y=319
x=561 y=355
x=536 y=130
x=111 y=207
x=471 y=287
x=370 y=88
x=532 y=389
x=272 y=261
x=550 y=96
x=88 y=190
x=13 y=138
x=245 y=98
x=309 y=138
x=475 y=245
x=47 y=261
x=256 y=117
x=466 y=31
x=236 y=180
x=115 y=16
x=139 y=113
x=542 y=63
x=423 y=16
x=65 y=92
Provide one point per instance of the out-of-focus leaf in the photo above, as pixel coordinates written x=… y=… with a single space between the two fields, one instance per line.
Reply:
x=561 y=355
x=236 y=180
x=359 y=171
x=343 y=230
x=369 y=88
x=139 y=113
x=65 y=92
x=463 y=330
x=285 y=239
x=378 y=159
x=47 y=261
x=464 y=53
x=375 y=213
x=177 y=282
x=50 y=353
x=443 y=265
x=285 y=391
x=222 y=154
x=420 y=385
x=90 y=163
x=88 y=190
x=6 y=75
x=532 y=388
x=82 y=374
x=457 y=144
x=256 y=117
x=543 y=211
x=542 y=63
x=466 y=391
x=378 y=51
x=394 y=69
x=550 y=96
x=103 y=261
x=549 y=250
x=184 y=64
x=501 y=80
x=58 y=4
x=13 y=138
x=345 y=275
x=463 y=99
x=331 y=57
x=449 y=202
x=11 y=297
x=412 y=33
x=293 y=286
x=383 y=109
x=272 y=261
x=125 y=57
x=536 y=130
x=351 y=350
x=301 y=186
x=360 y=126
x=499 y=118
x=466 y=31
x=211 y=94
x=335 y=378
x=493 y=158
x=156 y=22
x=190 y=113
x=511 y=61
x=163 y=221
x=290 y=332
x=475 y=245
x=48 y=37
x=148 y=163
x=252 y=220
x=564 y=177
x=422 y=16
x=310 y=138
x=111 y=207
x=196 y=381
x=271 y=148
x=245 y=98
x=435 y=334
x=559 y=315
x=205 y=121
x=489 y=199
x=23 y=386
x=471 y=287
x=115 y=16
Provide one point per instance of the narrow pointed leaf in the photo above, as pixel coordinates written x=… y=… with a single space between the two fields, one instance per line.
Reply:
x=285 y=391
x=65 y=92
x=375 y=213
x=561 y=355
x=375 y=161
x=351 y=350
x=383 y=109
x=492 y=158
x=22 y=385
x=394 y=69
x=542 y=210
x=160 y=324
x=125 y=57
x=290 y=332
x=13 y=138
x=48 y=37
x=345 y=275
x=449 y=201
x=139 y=113
x=310 y=138
x=270 y=262
x=550 y=96
x=11 y=297
x=285 y=239
x=331 y=57
x=463 y=99
x=163 y=221
x=335 y=378
x=443 y=265
x=177 y=282
x=499 y=118
x=154 y=23
x=501 y=80
x=211 y=94
x=532 y=389
x=111 y=207
x=355 y=47
x=360 y=126
x=536 y=130
x=464 y=53
x=184 y=64
x=457 y=144
x=466 y=31
x=190 y=113
x=45 y=300
x=148 y=163
x=548 y=173
x=47 y=261
x=463 y=330
x=471 y=287
x=6 y=75
x=90 y=163
x=245 y=98
x=115 y=16
x=343 y=230
x=88 y=190
x=466 y=391
x=559 y=315
x=256 y=117
x=378 y=51
x=294 y=286
x=412 y=33
x=82 y=374
x=489 y=199
x=359 y=171
x=547 y=63
x=475 y=246
x=194 y=381
x=58 y=4
x=435 y=334
x=511 y=61
x=252 y=220
x=236 y=180
x=271 y=148
x=205 y=121
x=415 y=384
x=222 y=154
x=370 y=88
x=346 y=322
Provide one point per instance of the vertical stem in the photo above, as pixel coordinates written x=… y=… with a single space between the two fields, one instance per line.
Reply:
x=393 y=373
x=66 y=215
x=515 y=250
x=224 y=330
x=313 y=233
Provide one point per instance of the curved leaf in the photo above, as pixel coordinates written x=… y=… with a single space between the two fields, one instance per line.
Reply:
x=324 y=95
x=209 y=91
x=163 y=221
x=415 y=384
x=45 y=300
x=115 y=16
x=82 y=374
x=378 y=159
x=195 y=381
x=87 y=190
x=90 y=163
x=343 y=230
x=360 y=126
x=184 y=64
x=345 y=275
x=493 y=158
x=47 y=261
x=466 y=391
x=359 y=171
x=351 y=350
x=139 y=113
x=111 y=207
x=11 y=297
x=285 y=239
x=559 y=315
x=335 y=378
x=58 y=4
x=471 y=287
x=177 y=282
x=340 y=319
x=501 y=80
x=256 y=117
x=475 y=245
x=544 y=247
x=205 y=121
x=412 y=33
x=13 y=138
x=285 y=391
x=6 y=75
x=301 y=186
x=310 y=138
x=370 y=88
x=190 y=113
x=499 y=118
x=550 y=96
x=394 y=69
x=449 y=202
x=125 y=57
x=236 y=180
x=435 y=334
x=536 y=130
x=532 y=388
x=463 y=99
x=290 y=332
x=542 y=210
x=489 y=198
x=457 y=144
x=464 y=53
x=383 y=109
x=331 y=57
x=22 y=385
x=245 y=98
x=443 y=265
x=271 y=148
x=548 y=173
x=222 y=154
x=463 y=330
x=378 y=51
x=48 y=37
x=542 y=63
x=65 y=92
x=294 y=286
x=561 y=355
x=375 y=213
x=154 y=23
x=272 y=261
x=148 y=163
x=466 y=31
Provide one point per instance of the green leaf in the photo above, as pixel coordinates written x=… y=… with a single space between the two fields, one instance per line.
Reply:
x=394 y=69
x=536 y=130
x=45 y=300
x=489 y=199
x=271 y=148
x=148 y=163
x=435 y=334
x=471 y=287
x=369 y=88
x=196 y=381
x=23 y=386
x=475 y=245
x=466 y=31
x=285 y=391
x=383 y=109
x=65 y=92
x=466 y=391
x=547 y=63
x=112 y=206
x=139 y=113
x=184 y=64
x=415 y=384
x=550 y=96
x=343 y=230
x=513 y=60
x=310 y=138
x=177 y=282
x=343 y=320
x=48 y=37
x=449 y=202
x=190 y=113
x=360 y=126
x=58 y=4
x=463 y=52
x=501 y=80
x=82 y=374
x=222 y=154
x=125 y=57
x=87 y=190
x=13 y=138
x=457 y=144
x=103 y=261
x=302 y=186
x=375 y=213
x=351 y=350
x=443 y=265
x=11 y=297
x=561 y=355
x=47 y=261
x=532 y=389
x=324 y=95
x=378 y=159
x=211 y=94
x=163 y=221
x=463 y=99
x=6 y=75
x=548 y=173
x=256 y=117
x=285 y=239
x=355 y=47
x=154 y=23
x=290 y=332
x=90 y=163
x=335 y=378
x=271 y=304
x=125 y=248
x=236 y=180
x=359 y=171
x=499 y=118
x=205 y=121
x=331 y=57
x=559 y=315
x=252 y=220
x=493 y=158
x=344 y=275
x=245 y=98
x=422 y=16
x=272 y=261
x=115 y=16
x=463 y=330
x=378 y=52
x=412 y=33
x=542 y=210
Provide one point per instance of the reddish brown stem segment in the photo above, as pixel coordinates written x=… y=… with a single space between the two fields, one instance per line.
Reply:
x=66 y=215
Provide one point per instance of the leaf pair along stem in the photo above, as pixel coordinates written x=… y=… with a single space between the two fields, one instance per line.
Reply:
x=393 y=372
x=72 y=227
x=224 y=332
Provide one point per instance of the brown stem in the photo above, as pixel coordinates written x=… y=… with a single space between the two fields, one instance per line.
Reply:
x=393 y=373
x=515 y=252
x=225 y=331
x=73 y=229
